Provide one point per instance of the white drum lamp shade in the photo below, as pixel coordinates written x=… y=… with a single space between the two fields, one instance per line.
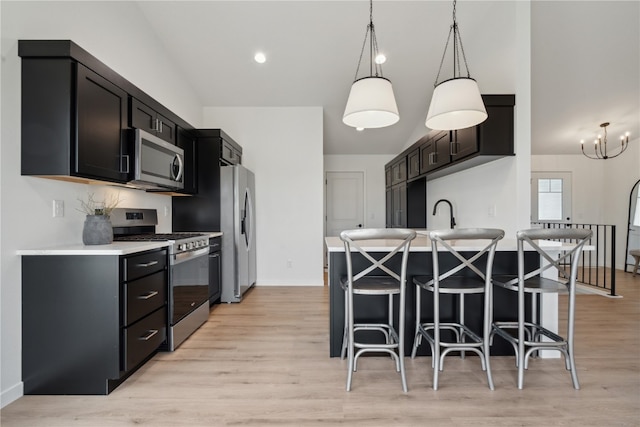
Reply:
x=456 y=104
x=371 y=104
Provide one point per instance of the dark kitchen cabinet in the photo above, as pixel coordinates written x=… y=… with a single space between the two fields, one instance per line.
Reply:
x=231 y=153
x=399 y=205
x=201 y=212
x=413 y=164
x=445 y=152
x=187 y=141
x=76 y=116
x=417 y=203
x=399 y=171
x=89 y=321
x=434 y=152
x=215 y=269
x=146 y=118
x=387 y=176
x=74 y=122
x=464 y=142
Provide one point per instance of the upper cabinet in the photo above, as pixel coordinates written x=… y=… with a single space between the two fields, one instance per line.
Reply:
x=441 y=153
x=78 y=115
x=399 y=171
x=413 y=164
x=146 y=118
x=187 y=141
x=230 y=152
x=74 y=122
x=434 y=151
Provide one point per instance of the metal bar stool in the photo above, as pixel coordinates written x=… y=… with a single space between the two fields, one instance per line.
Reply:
x=464 y=277
x=376 y=278
x=525 y=336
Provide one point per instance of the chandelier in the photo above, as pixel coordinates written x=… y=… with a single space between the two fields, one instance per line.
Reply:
x=456 y=102
x=600 y=145
x=371 y=103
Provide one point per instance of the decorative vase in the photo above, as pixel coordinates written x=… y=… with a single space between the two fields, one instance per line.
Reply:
x=97 y=230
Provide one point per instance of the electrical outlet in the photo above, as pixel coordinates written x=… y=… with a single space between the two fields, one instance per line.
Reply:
x=289 y=263
x=58 y=208
x=166 y=211
x=492 y=211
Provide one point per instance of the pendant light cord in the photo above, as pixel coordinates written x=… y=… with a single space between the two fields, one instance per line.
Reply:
x=373 y=47
x=457 y=40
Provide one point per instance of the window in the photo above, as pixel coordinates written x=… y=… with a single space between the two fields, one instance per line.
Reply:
x=551 y=196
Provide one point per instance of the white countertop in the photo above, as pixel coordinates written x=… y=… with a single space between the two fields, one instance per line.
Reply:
x=423 y=244
x=115 y=248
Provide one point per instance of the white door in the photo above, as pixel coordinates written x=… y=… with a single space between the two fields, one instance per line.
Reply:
x=551 y=197
x=344 y=201
x=634 y=223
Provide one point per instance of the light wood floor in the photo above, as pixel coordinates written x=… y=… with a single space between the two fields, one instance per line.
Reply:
x=265 y=362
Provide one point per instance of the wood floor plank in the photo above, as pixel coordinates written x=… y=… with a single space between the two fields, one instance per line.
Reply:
x=265 y=362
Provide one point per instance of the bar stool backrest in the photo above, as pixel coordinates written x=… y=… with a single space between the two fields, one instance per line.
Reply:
x=401 y=236
x=533 y=237
x=444 y=237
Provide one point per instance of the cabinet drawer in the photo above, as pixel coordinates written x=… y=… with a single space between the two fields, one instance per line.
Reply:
x=215 y=244
x=143 y=296
x=144 y=337
x=144 y=264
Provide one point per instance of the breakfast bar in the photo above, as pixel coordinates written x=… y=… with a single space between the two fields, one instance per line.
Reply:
x=420 y=263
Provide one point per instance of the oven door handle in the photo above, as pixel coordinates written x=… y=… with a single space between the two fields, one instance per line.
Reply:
x=188 y=256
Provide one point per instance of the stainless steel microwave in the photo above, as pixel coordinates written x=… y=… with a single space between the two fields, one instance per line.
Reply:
x=158 y=164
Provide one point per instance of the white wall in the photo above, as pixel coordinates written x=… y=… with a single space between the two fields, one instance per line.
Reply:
x=283 y=147
x=374 y=186
x=106 y=30
x=600 y=188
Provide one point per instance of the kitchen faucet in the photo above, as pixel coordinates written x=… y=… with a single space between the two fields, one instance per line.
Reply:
x=453 y=220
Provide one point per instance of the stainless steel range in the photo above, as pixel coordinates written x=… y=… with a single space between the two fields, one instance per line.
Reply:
x=188 y=269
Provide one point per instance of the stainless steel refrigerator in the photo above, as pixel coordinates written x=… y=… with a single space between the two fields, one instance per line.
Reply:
x=237 y=223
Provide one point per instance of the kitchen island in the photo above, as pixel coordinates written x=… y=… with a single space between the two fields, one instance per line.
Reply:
x=420 y=263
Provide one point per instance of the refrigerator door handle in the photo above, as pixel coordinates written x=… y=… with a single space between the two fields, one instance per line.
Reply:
x=248 y=218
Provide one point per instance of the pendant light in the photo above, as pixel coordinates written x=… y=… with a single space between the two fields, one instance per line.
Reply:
x=456 y=102
x=371 y=103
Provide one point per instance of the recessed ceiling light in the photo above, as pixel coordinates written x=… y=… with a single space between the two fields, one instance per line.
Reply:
x=260 y=58
x=359 y=129
x=380 y=59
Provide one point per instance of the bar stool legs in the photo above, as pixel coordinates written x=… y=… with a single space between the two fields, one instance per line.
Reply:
x=458 y=285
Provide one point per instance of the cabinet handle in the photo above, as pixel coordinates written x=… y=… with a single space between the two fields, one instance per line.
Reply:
x=151 y=294
x=150 y=334
x=154 y=124
x=160 y=126
x=125 y=157
x=147 y=264
x=215 y=255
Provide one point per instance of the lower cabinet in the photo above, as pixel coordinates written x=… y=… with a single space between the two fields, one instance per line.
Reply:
x=215 y=269
x=89 y=321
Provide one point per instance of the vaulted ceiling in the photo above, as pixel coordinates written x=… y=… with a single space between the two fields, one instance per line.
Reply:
x=585 y=60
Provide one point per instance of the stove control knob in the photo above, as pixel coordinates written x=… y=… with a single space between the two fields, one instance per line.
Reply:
x=181 y=247
x=190 y=245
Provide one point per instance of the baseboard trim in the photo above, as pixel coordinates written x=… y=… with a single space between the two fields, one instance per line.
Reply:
x=11 y=394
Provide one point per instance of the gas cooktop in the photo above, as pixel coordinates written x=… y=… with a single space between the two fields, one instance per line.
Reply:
x=157 y=237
